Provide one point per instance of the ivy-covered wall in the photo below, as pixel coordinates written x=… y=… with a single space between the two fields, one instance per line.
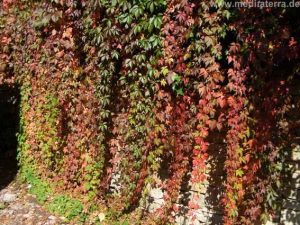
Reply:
x=123 y=97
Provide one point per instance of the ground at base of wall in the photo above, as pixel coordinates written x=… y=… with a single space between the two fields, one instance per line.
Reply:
x=17 y=207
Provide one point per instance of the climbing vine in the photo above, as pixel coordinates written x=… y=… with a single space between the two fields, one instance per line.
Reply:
x=115 y=92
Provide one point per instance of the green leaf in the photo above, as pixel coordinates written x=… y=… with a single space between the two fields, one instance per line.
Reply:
x=151 y=7
x=157 y=21
x=239 y=172
x=165 y=70
x=114 y=3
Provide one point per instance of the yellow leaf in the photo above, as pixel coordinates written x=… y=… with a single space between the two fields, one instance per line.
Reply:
x=163 y=82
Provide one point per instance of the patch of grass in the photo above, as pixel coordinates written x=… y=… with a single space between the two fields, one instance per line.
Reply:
x=39 y=188
x=62 y=205
x=68 y=207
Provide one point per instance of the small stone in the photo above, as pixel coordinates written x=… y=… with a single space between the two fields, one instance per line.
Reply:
x=26 y=216
x=52 y=218
x=8 y=197
x=52 y=222
x=101 y=217
x=62 y=218
x=156 y=193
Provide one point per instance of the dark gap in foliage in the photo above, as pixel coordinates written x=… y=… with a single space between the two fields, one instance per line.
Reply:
x=216 y=177
x=116 y=106
x=9 y=123
x=229 y=38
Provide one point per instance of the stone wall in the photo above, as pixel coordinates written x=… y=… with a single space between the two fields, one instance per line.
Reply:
x=290 y=212
x=210 y=191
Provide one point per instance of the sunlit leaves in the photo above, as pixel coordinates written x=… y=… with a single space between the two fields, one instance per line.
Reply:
x=115 y=86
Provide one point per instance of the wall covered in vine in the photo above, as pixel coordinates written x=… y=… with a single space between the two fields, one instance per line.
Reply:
x=115 y=91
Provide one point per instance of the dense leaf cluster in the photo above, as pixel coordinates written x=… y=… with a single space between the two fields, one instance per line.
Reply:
x=115 y=90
